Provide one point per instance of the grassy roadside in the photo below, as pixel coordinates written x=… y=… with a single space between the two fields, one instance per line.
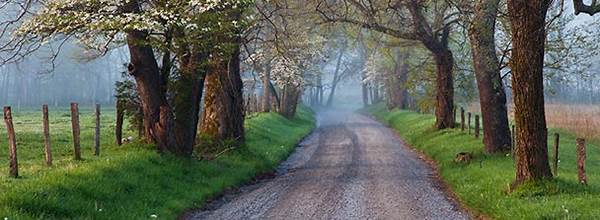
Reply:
x=482 y=184
x=134 y=182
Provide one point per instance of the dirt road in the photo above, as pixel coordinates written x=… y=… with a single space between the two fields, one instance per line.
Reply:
x=351 y=167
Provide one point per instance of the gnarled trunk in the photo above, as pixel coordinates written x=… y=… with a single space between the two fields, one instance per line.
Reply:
x=527 y=18
x=444 y=110
x=158 y=116
x=186 y=106
x=223 y=117
x=437 y=44
x=496 y=134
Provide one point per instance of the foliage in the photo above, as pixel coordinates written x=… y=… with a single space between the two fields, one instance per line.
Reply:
x=132 y=181
x=99 y=24
x=127 y=94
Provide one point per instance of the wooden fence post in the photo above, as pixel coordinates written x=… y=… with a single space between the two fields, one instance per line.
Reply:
x=97 y=133
x=47 y=146
x=581 y=160
x=476 y=126
x=513 y=143
x=555 y=159
x=469 y=122
x=12 y=143
x=462 y=119
x=119 y=126
x=76 y=130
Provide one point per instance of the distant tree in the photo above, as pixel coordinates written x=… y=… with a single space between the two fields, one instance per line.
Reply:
x=410 y=20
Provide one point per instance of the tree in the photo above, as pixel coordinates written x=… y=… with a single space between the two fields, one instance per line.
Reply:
x=527 y=22
x=496 y=134
x=178 y=32
x=433 y=33
x=396 y=81
x=223 y=117
x=581 y=7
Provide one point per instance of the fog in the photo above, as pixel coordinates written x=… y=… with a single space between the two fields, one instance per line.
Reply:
x=69 y=77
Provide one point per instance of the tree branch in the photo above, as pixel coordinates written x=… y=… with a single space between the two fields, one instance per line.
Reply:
x=580 y=7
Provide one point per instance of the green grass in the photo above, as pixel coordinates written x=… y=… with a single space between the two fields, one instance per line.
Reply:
x=132 y=181
x=483 y=184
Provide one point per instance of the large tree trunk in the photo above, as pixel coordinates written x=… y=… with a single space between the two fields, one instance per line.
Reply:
x=527 y=18
x=223 y=117
x=496 y=134
x=189 y=90
x=158 y=116
x=444 y=110
x=289 y=101
x=438 y=45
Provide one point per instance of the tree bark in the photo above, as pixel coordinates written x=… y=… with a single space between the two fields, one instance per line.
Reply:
x=496 y=133
x=223 y=117
x=444 y=110
x=527 y=18
x=437 y=44
x=290 y=96
x=186 y=106
x=266 y=100
x=365 y=94
x=158 y=115
x=397 y=89
x=336 y=76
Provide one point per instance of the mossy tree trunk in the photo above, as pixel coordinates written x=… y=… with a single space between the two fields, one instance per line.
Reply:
x=223 y=116
x=186 y=105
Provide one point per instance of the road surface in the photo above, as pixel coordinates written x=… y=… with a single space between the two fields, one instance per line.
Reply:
x=350 y=167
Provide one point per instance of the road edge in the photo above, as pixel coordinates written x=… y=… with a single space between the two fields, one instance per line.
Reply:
x=229 y=195
x=438 y=181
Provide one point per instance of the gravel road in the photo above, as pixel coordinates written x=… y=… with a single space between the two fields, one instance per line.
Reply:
x=350 y=167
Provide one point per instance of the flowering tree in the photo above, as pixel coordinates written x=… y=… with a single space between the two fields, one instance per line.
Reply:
x=184 y=34
x=289 y=66
x=285 y=52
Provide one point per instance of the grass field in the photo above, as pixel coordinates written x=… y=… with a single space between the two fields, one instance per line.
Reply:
x=582 y=120
x=132 y=181
x=483 y=184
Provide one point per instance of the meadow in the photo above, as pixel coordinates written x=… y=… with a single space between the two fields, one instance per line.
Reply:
x=484 y=184
x=130 y=181
x=582 y=120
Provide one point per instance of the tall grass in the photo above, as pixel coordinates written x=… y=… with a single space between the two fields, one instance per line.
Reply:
x=578 y=119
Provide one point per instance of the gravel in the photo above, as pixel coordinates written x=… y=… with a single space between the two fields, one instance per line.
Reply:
x=350 y=167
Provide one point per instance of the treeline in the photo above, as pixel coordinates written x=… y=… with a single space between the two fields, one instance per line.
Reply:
x=433 y=54
x=34 y=81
